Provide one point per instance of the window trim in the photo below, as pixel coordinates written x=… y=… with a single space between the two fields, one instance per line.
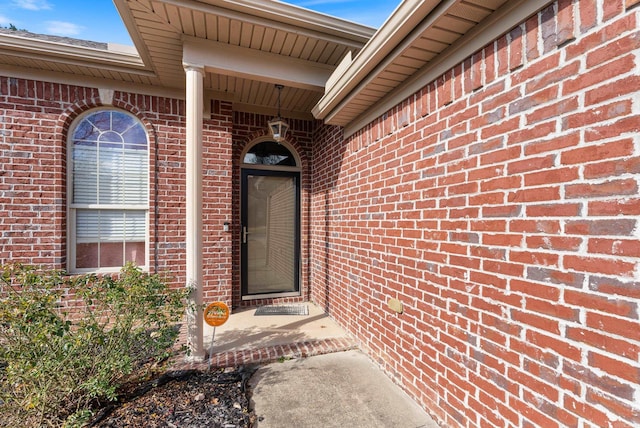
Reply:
x=73 y=207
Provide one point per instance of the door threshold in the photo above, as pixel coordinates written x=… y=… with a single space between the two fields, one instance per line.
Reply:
x=271 y=295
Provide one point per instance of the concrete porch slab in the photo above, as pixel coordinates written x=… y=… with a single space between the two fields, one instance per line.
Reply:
x=249 y=339
x=244 y=330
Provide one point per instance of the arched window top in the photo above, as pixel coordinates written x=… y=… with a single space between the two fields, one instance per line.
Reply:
x=269 y=153
x=110 y=128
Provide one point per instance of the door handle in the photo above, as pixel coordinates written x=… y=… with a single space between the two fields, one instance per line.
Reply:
x=244 y=234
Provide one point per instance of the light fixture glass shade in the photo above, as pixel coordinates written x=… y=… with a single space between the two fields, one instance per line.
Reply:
x=279 y=129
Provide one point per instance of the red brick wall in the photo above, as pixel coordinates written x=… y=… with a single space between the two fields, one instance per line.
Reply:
x=500 y=205
x=34 y=120
x=32 y=186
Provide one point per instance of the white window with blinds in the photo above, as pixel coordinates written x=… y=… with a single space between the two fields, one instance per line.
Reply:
x=108 y=192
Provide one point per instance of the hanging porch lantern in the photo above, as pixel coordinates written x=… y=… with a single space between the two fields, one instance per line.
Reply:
x=277 y=126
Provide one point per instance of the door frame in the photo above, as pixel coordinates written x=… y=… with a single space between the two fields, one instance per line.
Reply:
x=294 y=173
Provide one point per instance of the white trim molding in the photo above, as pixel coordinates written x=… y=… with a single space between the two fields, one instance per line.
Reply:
x=194 y=233
x=249 y=63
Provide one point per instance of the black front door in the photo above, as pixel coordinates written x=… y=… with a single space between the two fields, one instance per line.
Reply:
x=270 y=235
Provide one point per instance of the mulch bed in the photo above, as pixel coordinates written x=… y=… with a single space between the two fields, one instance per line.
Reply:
x=185 y=399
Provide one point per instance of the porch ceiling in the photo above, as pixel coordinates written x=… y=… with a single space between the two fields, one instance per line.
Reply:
x=246 y=47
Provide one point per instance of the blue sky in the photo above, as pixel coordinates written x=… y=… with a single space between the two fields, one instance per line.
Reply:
x=98 y=20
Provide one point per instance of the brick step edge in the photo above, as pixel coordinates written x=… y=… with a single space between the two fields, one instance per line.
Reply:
x=268 y=354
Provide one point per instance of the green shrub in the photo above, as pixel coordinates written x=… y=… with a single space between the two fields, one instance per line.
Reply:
x=54 y=365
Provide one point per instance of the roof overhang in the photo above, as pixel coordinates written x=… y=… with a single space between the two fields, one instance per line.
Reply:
x=245 y=47
x=419 y=42
x=344 y=73
x=114 y=57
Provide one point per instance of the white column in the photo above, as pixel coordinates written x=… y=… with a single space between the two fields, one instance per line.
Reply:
x=194 y=103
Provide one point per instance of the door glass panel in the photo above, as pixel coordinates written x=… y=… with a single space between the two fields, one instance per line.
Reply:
x=270 y=234
x=269 y=153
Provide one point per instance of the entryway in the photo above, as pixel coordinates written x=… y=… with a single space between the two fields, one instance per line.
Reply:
x=270 y=215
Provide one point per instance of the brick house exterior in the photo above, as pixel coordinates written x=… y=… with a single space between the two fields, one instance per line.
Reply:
x=498 y=203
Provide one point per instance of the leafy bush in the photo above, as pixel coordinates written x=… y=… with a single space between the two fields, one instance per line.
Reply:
x=53 y=364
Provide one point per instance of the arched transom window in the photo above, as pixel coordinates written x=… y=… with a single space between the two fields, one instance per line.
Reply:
x=108 y=191
x=269 y=153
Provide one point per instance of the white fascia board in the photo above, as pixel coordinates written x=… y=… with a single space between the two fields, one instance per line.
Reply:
x=89 y=81
x=292 y=18
x=340 y=70
x=311 y=18
x=248 y=63
x=500 y=22
x=396 y=28
x=129 y=21
x=69 y=54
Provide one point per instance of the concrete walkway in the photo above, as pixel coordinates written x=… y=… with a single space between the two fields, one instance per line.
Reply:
x=311 y=373
x=342 y=389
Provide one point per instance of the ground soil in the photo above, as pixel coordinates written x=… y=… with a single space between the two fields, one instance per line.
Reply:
x=185 y=399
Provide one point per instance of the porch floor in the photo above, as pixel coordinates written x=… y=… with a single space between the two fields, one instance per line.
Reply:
x=249 y=339
x=338 y=389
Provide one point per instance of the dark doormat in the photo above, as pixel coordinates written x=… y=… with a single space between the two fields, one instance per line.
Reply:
x=283 y=310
